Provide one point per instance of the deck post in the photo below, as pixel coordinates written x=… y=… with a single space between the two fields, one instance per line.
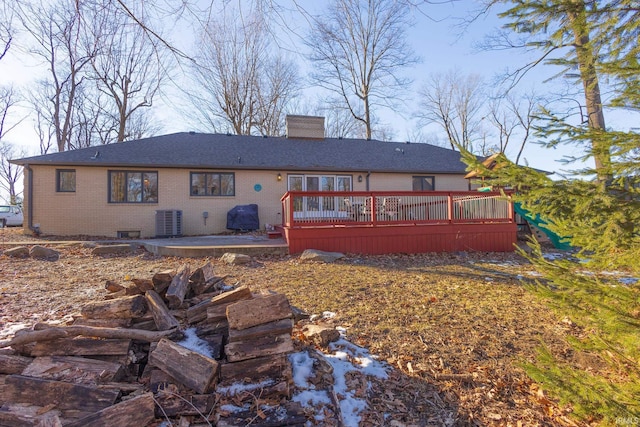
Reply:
x=374 y=209
x=512 y=215
x=292 y=204
x=450 y=208
x=283 y=210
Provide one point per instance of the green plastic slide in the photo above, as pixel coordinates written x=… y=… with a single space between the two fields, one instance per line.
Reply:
x=556 y=240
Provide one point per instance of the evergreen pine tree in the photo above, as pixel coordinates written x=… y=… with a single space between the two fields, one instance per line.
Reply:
x=597 y=210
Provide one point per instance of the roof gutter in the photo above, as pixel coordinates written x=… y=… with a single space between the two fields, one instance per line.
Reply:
x=35 y=230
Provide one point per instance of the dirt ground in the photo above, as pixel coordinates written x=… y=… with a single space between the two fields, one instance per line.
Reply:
x=457 y=328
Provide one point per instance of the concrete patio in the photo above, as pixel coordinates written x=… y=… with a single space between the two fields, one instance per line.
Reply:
x=217 y=245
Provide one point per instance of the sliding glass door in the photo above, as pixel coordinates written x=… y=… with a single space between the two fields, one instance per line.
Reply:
x=319 y=206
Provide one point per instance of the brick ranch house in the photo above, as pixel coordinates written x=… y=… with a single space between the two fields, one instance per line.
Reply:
x=118 y=189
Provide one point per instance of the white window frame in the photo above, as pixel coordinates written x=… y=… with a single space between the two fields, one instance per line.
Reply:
x=319 y=206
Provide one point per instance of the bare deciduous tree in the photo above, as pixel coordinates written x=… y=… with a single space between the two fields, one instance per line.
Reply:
x=239 y=83
x=127 y=68
x=475 y=120
x=57 y=32
x=94 y=122
x=10 y=173
x=513 y=118
x=359 y=50
x=339 y=123
x=227 y=73
x=7 y=102
x=43 y=129
x=454 y=103
x=276 y=88
x=6 y=33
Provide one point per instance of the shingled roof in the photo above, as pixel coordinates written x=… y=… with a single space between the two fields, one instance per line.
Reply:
x=220 y=151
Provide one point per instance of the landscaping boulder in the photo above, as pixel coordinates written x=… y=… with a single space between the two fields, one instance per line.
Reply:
x=40 y=252
x=232 y=258
x=17 y=252
x=315 y=255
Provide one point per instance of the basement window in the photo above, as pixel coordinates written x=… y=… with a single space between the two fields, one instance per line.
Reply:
x=129 y=234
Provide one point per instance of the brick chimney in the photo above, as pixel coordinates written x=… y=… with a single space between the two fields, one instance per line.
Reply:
x=305 y=127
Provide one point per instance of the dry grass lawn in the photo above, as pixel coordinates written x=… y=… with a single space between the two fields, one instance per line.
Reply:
x=456 y=327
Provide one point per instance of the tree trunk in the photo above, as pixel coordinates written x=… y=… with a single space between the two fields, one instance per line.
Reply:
x=589 y=76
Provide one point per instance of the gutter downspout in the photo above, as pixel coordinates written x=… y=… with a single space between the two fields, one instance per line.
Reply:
x=367 y=180
x=30 y=200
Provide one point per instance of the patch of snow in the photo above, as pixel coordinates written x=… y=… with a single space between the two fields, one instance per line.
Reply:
x=235 y=388
x=344 y=357
x=364 y=361
x=325 y=316
x=302 y=366
x=224 y=287
x=312 y=397
x=10 y=329
x=302 y=369
x=279 y=411
x=612 y=273
x=551 y=256
x=504 y=264
x=232 y=409
x=347 y=357
x=622 y=277
x=194 y=343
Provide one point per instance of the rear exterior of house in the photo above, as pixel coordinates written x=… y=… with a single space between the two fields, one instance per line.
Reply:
x=186 y=183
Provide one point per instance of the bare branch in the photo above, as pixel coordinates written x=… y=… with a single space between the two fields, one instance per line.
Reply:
x=358 y=52
x=127 y=70
x=240 y=84
x=454 y=103
x=10 y=174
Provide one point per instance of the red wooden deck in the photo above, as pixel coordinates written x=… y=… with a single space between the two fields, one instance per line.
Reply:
x=398 y=222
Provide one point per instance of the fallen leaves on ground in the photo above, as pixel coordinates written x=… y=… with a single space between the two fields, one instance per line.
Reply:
x=455 y=327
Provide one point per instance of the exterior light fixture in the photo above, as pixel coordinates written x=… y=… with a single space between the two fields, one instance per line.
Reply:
x=359 y=178
x=279 y=177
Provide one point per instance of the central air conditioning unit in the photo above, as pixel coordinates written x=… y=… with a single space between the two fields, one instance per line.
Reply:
x=168 y=223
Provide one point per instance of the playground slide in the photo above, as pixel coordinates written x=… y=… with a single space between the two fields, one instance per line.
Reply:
x=537 y=222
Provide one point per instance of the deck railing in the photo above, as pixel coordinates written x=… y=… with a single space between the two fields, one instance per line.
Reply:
x=322 y=208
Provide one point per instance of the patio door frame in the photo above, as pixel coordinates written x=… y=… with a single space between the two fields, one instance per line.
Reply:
x=317 y=206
